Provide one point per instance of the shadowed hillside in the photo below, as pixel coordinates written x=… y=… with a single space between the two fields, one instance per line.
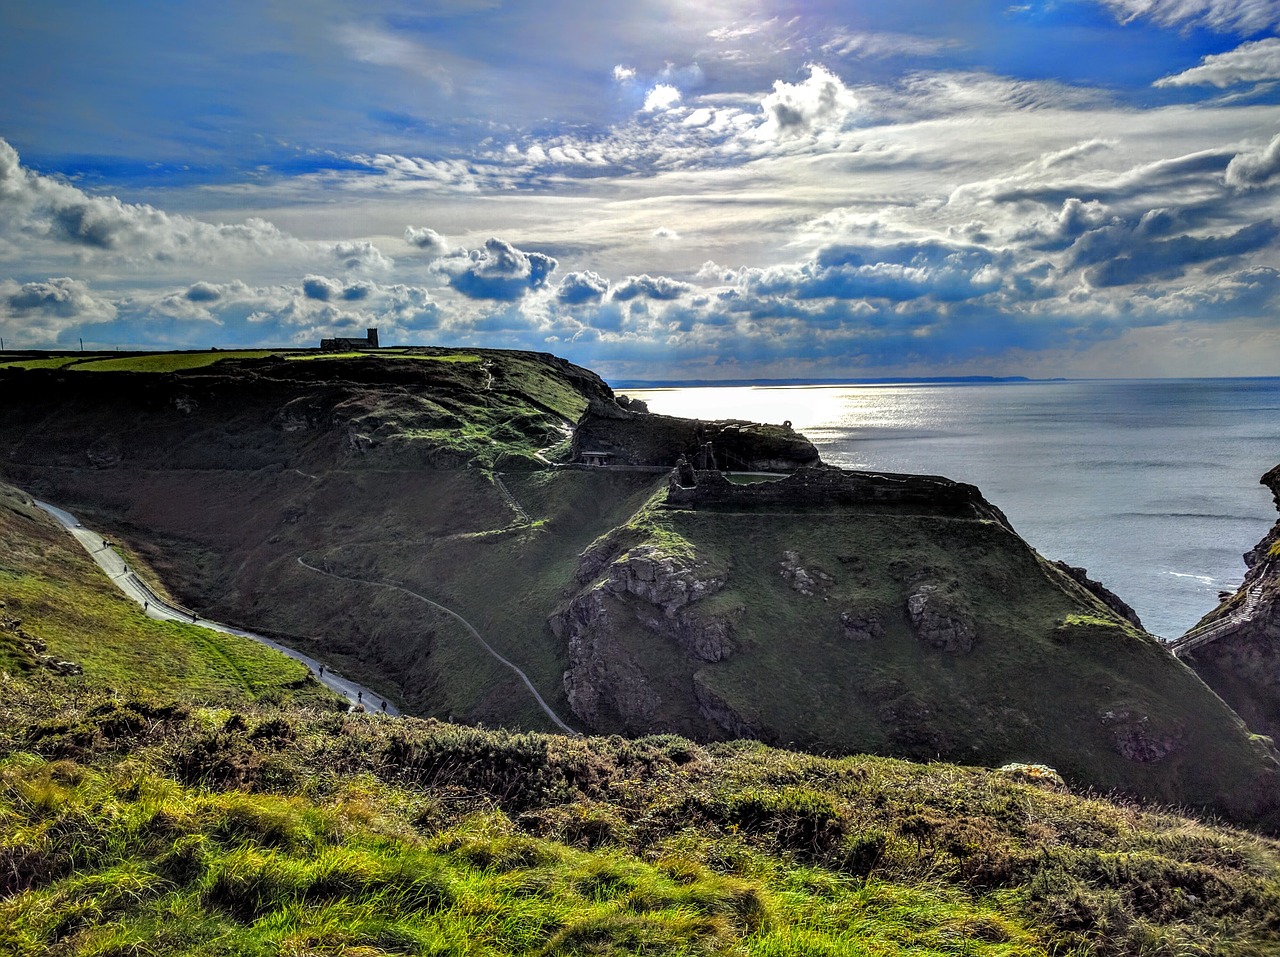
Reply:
x=838 y=612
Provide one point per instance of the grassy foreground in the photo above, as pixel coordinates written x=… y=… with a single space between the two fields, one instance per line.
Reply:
x=144 y=827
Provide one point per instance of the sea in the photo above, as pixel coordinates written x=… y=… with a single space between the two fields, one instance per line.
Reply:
x=1151 y=484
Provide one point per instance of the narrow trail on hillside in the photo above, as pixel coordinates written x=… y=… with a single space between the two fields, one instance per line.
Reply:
x=161 y=609
x=511 y=500
x=465 y=624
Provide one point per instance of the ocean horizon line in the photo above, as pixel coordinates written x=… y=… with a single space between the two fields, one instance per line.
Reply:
x=904 y=380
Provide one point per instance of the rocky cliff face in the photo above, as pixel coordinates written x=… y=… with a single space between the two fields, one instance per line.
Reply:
x=1243 y=667
x=854 y=612
x=635 y=438
x=658 y=599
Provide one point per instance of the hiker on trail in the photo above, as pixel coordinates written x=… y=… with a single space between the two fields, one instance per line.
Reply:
x=146 y=605
x=359 y=696
x=322 y=671
x=193 y=616
x=384 y=707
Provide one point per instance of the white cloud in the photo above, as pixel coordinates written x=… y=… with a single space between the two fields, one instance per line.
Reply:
x=362 y=256
x=1254 y=62
x=1226 y=16
x=428 y=240
x=382 y=48
x=624 y=74
x=661 y=97
x=579 y=287
x=1255 y=168
x=498 y=271
x=818 y=103
x=38 y=313
x=874 y=45
x=649 y=287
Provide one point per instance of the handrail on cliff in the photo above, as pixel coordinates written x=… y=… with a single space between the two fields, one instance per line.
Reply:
x=1202 y=635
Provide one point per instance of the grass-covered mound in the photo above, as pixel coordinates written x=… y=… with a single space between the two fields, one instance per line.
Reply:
x=143 y=827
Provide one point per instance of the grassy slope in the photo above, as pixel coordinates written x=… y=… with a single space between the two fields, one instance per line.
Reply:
x=169 y=361
x=379 y=514
x=1054 y=677
x=138 y=827
x=61 y=598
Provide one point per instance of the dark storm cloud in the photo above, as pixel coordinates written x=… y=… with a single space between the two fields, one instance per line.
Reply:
x=203 y=292
x=1121 y=255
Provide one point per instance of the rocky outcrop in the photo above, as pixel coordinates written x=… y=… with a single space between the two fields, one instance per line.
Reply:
x=638 y=438
x=806 y=581
x=1136 y=739
x=829 y=487
x=938 y=621
x=606 y=683
x=860 y=626
x=1243 y=665
x=1100 y=591
x=662 y=580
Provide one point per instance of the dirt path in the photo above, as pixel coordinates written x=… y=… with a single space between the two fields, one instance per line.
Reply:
x=465 y=624
x=162 y=610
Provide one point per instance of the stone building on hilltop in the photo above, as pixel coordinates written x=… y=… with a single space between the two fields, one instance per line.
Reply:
x=370 y=341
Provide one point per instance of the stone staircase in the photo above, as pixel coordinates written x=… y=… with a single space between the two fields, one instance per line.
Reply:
x=1204 y=634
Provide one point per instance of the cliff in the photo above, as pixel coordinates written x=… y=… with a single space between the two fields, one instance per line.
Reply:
x=857 y=612
x=641 y=438
x=838 y=611
x=1243 y=665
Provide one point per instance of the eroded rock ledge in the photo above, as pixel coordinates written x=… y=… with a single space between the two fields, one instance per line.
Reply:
x=646 y=590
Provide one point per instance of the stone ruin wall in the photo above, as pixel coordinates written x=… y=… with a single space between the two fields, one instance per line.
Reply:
x=809 y=487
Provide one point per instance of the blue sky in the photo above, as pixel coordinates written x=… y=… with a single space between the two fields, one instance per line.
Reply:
x=661 y=189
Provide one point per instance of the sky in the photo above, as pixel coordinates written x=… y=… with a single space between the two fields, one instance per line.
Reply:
x=661 y=189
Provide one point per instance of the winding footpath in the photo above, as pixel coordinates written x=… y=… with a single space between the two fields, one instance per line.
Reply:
x=158 y=608
x=555 y=718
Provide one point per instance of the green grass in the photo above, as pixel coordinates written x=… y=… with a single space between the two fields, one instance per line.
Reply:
x=63 y=601
x=128 y=861
x=135 y=826
x=462 y=357
x=54 y=362
x=170 y=361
